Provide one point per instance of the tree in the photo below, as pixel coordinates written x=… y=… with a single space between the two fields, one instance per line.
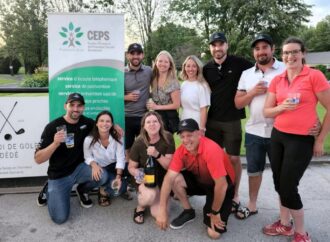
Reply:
x=241 y=19
x=24 y=31
x=178 y=40
x=141 y=14
x=317 y=39
x=81 y=5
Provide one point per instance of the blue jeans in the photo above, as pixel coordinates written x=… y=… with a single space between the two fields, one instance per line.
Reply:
x=111 y=172
x=58 y=196
x=256 y=150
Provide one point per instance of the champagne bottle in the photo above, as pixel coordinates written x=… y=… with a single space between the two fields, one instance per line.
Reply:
x=150 y=173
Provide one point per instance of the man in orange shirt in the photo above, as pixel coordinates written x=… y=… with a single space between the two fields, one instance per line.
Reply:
x=208 y=171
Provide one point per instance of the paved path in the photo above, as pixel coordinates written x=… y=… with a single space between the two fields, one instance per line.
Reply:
x=22 y=220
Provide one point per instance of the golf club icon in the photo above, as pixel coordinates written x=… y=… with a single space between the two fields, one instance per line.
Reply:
x=20 y=131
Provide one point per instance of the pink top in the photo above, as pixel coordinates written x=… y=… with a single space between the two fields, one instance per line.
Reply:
x=307 y=83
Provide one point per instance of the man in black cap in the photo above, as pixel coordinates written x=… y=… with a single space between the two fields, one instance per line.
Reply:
x=208 y=171
x=251 y=92
x=66 y=160
x=224 y=121
x=137 y=84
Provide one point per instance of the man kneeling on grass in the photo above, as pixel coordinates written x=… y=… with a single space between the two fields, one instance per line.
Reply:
x=207 y=171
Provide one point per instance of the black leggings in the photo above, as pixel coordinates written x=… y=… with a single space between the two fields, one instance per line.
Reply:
x=290 y=156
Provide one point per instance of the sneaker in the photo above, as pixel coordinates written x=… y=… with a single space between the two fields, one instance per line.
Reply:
x=278 y=229
x=42 y=197
x=85 y=201
x=188 y=215
x=301 y=237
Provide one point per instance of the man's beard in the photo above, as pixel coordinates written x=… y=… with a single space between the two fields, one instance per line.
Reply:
x=132 y=63
x=264 y=60
x=219 y=55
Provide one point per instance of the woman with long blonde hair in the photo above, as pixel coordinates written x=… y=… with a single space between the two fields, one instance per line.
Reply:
x=165 y=91
x=195 y=92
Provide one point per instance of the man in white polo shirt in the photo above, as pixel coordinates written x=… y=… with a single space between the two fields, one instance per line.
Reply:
x=252 y=88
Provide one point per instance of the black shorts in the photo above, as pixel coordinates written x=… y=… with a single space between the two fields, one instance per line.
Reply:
x=196 y=188
x=132 y=130
x=226 y=134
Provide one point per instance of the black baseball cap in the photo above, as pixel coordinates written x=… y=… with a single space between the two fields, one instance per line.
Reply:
x=262 y=37
x=135 y=47
x=188 y=125
x=75 y=97
x=219 y=36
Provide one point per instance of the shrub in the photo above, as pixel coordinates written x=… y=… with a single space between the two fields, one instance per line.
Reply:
x=323 y=68
x=39 y=79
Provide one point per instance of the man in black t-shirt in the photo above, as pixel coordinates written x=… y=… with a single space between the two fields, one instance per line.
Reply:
x=224 y=121
x=62 y=144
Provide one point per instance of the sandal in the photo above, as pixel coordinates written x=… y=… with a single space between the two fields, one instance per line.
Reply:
x=139 y=214
x=127 y=196
x=235 y=206
x=103 y=198
x=243 y=213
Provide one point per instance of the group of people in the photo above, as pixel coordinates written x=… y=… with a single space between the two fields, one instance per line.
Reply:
x=213 y=98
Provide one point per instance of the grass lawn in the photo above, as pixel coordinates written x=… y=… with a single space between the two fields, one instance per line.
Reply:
x=320 y=111
x=5 y=81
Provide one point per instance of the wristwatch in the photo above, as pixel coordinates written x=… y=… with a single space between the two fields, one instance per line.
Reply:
x=158 y=156
x=215 y=212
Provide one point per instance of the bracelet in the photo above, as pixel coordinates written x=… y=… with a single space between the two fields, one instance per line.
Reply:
x=158 y=156
x=215 y=212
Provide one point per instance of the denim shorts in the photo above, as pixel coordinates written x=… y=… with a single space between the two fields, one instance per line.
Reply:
x=256 y=150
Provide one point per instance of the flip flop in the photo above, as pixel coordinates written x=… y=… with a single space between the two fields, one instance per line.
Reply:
x=235 y=206
x=245 y=212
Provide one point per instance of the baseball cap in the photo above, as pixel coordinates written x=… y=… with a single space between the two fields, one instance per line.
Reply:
x=219 y=36
x=75 y=97
x=262 y=37
x=135 y=47
x=188 y=125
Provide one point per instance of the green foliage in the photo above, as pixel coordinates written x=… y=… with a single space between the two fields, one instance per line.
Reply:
x=24 y=31
x=240 y=20
x=321 y=68
x=324 y=70
x=317 y=38
x=178 y=40
x=39 y=79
